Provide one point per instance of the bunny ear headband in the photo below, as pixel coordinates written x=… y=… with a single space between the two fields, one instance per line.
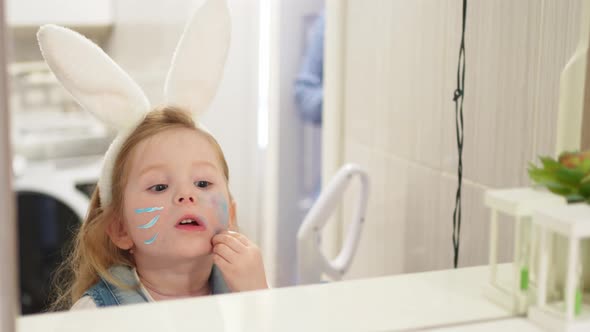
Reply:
x=100 y=86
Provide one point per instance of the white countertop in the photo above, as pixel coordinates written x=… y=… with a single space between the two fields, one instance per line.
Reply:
x=411 y=301
x=506 y=325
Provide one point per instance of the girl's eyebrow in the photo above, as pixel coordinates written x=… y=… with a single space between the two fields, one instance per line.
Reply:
x=163 y=166
x=204 y=163
x=151 y=168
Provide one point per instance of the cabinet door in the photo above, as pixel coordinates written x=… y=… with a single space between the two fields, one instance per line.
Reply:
x=62 y=12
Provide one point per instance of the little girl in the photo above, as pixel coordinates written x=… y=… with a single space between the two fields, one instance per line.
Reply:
x=158 y=225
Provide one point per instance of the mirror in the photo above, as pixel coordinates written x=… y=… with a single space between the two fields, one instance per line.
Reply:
x=388 y=70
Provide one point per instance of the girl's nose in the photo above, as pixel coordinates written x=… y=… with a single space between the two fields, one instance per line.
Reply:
x=185 y=199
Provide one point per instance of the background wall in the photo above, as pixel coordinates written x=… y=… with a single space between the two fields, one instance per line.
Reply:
x=399 y=69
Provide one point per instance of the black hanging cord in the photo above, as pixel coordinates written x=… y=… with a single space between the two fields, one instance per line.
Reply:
x=458 y=99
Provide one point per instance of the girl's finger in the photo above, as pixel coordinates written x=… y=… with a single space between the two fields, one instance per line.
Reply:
x=232 y=242
x=240 y=237
x=221 y=262
x=226 y=252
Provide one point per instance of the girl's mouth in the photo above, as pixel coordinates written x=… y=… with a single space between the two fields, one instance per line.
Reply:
x=191 y=223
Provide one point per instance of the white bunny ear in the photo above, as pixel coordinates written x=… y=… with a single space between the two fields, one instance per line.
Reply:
x=92 y=77
x=199 y=59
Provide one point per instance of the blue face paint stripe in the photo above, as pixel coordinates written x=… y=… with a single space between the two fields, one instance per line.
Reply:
x=224 y=215
x=150 y=241
x=152 y=209
x=150 y=223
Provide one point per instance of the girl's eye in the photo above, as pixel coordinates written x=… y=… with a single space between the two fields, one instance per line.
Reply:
x=158 y=187
x=203 y=184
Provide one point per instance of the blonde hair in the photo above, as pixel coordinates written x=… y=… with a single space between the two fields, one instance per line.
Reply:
x=92 y=252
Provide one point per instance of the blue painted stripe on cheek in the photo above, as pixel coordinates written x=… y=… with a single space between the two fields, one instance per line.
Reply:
x=150 y=223
x=151 y=209
x=224 y=215
x=150 y=241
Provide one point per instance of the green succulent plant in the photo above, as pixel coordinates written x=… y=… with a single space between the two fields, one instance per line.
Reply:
x=569 y=176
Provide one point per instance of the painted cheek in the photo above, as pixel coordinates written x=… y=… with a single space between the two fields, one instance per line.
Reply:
x=150 y=223
x=220 y=205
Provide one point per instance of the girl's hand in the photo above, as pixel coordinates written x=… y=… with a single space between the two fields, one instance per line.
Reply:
x=239 y=260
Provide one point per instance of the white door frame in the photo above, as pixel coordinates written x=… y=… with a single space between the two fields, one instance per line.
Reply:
x=9 y=303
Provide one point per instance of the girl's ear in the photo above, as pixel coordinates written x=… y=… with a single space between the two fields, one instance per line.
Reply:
x=233 y=222
x=118 y=233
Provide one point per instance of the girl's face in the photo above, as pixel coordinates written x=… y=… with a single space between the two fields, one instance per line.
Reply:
x=176 y=197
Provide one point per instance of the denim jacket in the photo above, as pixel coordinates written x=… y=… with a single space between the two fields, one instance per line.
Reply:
x=106 y=294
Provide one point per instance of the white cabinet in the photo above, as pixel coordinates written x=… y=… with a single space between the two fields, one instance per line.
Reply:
x=62 y=12
x=92 y=18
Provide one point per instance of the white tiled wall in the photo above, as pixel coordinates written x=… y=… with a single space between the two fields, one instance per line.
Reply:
x=400 y=69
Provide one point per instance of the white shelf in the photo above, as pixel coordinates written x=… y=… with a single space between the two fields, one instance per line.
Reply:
x=520 y=201
x=571 y=220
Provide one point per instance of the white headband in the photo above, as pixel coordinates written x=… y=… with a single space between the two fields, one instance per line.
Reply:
x=100 y=86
